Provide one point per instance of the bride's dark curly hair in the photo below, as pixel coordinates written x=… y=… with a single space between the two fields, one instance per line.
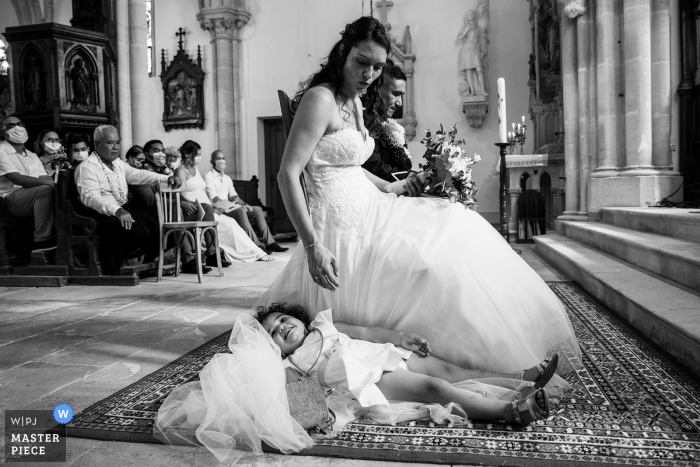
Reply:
x=363 y=29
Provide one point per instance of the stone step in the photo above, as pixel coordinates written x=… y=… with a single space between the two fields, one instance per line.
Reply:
x=677 y=259
x=672 y=222
x=666 y=314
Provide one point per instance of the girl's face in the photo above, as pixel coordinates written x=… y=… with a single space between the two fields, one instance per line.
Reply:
x=286 y=331
x=363 y=65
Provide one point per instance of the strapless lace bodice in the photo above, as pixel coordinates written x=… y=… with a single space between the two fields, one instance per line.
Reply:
x=339 y=190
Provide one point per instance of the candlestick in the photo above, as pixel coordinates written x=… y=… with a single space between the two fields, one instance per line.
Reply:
x=502 y=125
x=523 y=119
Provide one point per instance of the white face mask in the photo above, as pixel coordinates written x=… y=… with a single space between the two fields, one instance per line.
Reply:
x=174 y=164
x=53 y=147
x=17 y=135
x=197 y=160
x=220 y=165
x=159 y=158
x=80 y=156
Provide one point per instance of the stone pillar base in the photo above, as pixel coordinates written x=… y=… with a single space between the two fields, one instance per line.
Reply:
x=633 y=191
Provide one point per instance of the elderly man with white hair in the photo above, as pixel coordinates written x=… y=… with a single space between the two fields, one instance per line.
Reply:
x=102 y=182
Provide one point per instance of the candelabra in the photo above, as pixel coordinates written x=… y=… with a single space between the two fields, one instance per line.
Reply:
x=517 y=136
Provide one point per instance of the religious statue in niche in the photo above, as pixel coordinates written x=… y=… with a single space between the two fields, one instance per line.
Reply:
x=472 y=61
x=183 y=83
x=5 y=96
x=81 y=90
x=33 y=80
x=473 y=38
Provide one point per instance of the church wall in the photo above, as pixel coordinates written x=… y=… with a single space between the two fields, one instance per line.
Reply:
x=169 y=16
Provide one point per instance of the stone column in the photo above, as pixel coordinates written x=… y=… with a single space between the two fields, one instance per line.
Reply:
x=608 y=160
x=571 y=136
x=224 y=23
x=584 y=114
x=138 y=71
x=661 y=77
x=123 y=95
x=638 y=125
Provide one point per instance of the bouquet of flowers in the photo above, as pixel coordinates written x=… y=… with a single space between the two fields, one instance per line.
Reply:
x=448 y=169
x=393 y=136
x=59 y=160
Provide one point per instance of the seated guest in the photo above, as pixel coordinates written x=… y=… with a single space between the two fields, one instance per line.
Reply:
x=155 y=157
x=378 y=107
x=143 y=196
x=191 y=178
x=172 y=158
x=48 y=149
x=78 y=148
x=27 y=188
x=135 y=157
x=220 y=191
x=102 y=184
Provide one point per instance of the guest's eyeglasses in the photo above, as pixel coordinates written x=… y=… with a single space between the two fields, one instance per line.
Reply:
x=113 y=144
x=10 y=126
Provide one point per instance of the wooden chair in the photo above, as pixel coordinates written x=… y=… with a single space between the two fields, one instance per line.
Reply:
x=287 y=118
x=170 y=220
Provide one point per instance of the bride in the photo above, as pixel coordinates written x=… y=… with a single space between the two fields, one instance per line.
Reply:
x=396 y=262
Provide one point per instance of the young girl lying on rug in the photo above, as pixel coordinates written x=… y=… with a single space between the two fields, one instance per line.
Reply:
x=374 y=365
x=240 y=400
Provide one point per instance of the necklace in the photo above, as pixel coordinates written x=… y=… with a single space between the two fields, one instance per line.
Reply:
x=118 y=193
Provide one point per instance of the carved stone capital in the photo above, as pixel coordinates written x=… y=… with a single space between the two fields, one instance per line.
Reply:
x=475 y=108
x=573 y=8
x=223 y=23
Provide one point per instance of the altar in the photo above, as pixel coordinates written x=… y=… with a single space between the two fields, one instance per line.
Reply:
x=530 y=175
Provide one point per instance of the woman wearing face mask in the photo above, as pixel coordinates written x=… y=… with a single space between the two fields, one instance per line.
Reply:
x=47 y=147
x=172 y=158
x=194 y=183
x=233 y=241
x=78 y=148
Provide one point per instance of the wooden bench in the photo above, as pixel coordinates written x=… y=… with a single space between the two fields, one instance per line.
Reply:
x=78 y=240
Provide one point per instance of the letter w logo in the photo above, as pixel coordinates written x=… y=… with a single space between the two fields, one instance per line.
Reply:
x=63 y=413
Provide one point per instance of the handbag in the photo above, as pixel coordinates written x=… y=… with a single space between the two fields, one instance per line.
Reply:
x=306 y=397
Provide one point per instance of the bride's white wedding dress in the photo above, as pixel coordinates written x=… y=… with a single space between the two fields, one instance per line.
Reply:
x=420 y=265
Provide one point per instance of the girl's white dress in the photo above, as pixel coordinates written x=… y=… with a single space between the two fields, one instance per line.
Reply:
x=240 y=400
x=420 y=265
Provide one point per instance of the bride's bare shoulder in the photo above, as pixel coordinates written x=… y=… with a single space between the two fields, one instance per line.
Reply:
x=319 y=95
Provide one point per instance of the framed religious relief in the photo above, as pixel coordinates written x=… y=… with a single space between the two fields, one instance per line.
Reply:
x=183 y=89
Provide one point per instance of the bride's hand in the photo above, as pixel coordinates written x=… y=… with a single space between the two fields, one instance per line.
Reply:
x=415 y=343
x=323 y=267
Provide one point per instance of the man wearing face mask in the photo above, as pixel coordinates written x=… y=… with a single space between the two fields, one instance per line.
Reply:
x=155 y=157
x=78 y=148
x=220 y=191
x=26 y=187
x=102 y=185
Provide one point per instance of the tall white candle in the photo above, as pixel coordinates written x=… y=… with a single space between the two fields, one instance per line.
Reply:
x=502 y=126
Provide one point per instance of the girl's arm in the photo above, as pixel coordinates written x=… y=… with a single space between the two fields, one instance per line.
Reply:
x=406 y=340
x=312 y=119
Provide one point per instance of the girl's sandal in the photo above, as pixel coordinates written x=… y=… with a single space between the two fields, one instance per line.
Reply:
x=527 y=411
x=546 y=368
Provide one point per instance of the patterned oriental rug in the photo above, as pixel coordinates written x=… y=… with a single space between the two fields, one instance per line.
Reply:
x=629 y=405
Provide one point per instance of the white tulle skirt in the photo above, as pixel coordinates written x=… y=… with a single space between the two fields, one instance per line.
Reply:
x=240 y=402
x=438 y=270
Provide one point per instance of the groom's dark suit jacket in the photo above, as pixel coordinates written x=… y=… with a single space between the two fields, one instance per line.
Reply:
x=377 y=162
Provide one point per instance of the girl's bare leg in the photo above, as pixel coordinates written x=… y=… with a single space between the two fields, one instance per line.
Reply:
x=450 y=372
x=402 y=385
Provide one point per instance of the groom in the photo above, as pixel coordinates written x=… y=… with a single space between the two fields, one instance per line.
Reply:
x=391 y=92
